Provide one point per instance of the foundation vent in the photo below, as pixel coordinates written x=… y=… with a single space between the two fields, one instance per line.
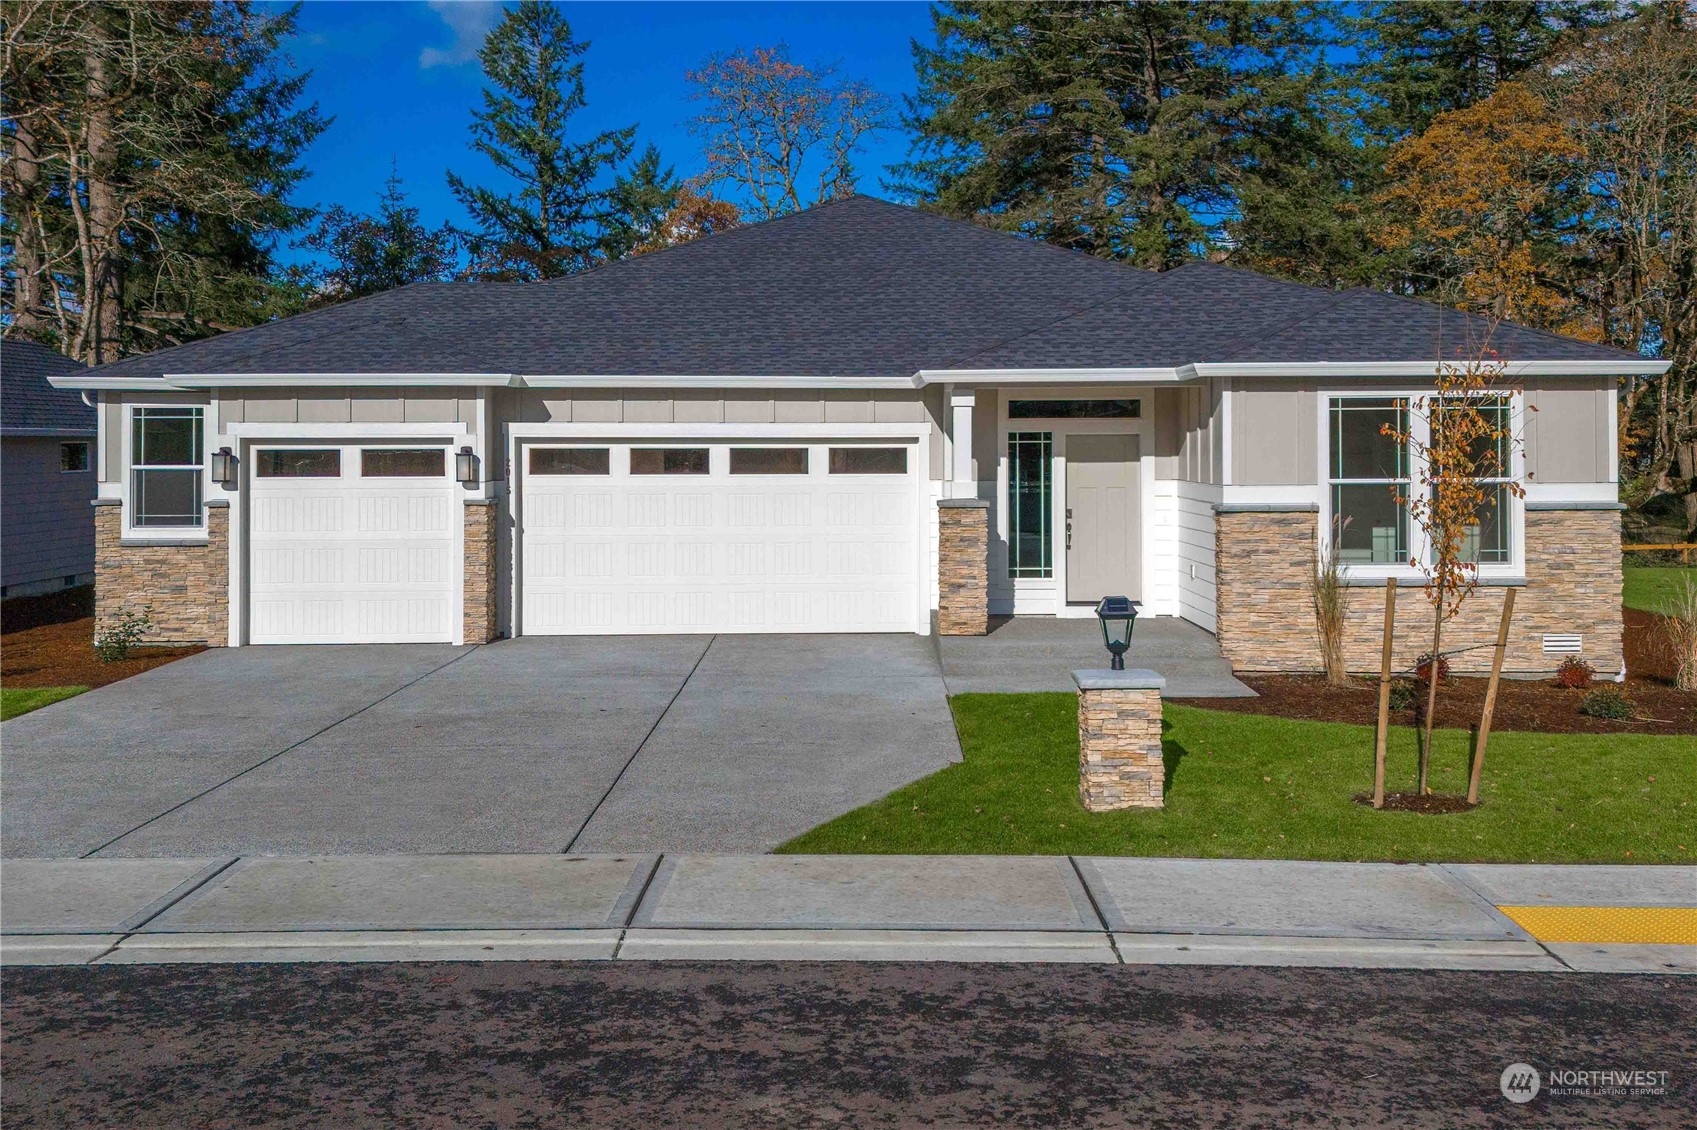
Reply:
x=1563 y=644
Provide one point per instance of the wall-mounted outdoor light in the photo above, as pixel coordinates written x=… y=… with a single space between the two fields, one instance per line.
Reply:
x=465 y=467
x=224 y=466
x=1117 y=615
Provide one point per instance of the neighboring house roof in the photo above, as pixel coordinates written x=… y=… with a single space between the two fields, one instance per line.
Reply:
x=31 y=406
x=852 y=289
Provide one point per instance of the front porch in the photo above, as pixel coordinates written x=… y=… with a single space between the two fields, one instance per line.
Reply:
x=1038 y=653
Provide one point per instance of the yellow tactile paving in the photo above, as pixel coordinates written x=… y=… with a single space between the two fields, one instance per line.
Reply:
x=1654 y=925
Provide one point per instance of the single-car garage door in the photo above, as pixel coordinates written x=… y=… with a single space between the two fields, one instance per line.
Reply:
x=719 y=537
x=352 y=544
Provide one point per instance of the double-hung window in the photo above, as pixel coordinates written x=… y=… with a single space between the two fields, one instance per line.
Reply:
x=1489 y=541
x=1368 y=477
x=166 y=476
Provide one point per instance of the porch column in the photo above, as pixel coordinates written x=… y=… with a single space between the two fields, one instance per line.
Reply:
x=963 y=567
x=963 y=481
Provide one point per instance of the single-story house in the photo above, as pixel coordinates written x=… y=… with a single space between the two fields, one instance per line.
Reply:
x=857 y=418
x=47 y=471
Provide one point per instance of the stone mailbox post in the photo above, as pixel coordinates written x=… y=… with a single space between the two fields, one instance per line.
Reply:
x=1119 y=739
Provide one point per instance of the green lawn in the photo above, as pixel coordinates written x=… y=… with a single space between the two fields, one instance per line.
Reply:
x=1250 y=786
x=1653 y=589
x=21 y=700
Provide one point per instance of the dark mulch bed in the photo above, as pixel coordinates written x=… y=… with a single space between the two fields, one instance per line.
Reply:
x=22 y=612
x=1534 y=705
x=1432 y=804
x=62 y=655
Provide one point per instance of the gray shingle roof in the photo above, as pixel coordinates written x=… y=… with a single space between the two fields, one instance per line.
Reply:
x=856 y=288
x=27 y=401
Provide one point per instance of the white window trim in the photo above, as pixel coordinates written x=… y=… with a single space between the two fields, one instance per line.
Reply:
x=126 y=484
x=1419 y=547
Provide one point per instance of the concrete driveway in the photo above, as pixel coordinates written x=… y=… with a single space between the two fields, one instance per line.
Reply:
x=605 y=744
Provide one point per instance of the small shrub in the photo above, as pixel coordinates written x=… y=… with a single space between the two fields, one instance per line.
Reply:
x=1423 y=668
x=127 y=631
x=1330 y=600
x=1404 y=694
x=1575 y=674
x=1607 y=702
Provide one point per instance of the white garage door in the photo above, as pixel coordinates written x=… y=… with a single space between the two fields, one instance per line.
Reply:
x=352 y=544
x=719 y=537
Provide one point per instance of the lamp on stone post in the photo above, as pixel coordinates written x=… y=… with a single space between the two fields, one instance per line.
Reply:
x=1117 y=615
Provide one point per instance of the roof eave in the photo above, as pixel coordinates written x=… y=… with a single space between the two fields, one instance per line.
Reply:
x=1642 y=367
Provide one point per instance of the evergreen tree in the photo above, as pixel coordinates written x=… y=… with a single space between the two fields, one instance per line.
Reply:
x=1422 y=58
x=1114 y=129
x=374 y=253
x=151 y=151
x=554 y=224
x=641 y=200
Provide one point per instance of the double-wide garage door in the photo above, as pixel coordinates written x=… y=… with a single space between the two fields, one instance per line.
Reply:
x=718 y=537
x=352 y=544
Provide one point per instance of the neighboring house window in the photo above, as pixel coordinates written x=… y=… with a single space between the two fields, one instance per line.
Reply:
x=1367 y=473
x=73 y=456
x=165 y=467
x=1030 y=504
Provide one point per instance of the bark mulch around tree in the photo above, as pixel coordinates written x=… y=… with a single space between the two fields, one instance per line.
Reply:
x=49 y=642
x=1532 y=705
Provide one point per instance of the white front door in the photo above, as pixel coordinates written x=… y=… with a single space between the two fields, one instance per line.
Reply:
x=352 y=544
x=710 y=536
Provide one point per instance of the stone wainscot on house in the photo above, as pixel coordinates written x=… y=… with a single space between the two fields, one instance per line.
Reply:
x=858 y=418
x=47 y=466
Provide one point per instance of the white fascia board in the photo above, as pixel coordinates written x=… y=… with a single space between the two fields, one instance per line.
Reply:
x=121 y=384
x=1151 y=375
x=338 y=380
x=614 y=380
x=717 y=432
x=1647 y=367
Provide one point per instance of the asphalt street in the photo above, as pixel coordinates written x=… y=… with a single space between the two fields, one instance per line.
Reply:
x=650 y=1044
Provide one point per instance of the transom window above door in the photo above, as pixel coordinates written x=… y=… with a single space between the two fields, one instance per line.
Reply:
x=403 y=463
x=668 y=460
x=570 y=461
x=1075 y=409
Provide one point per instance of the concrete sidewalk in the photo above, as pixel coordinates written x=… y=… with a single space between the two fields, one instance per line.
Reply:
x=764 y=907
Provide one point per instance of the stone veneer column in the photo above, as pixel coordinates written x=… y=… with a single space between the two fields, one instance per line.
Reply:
x=479 y=600
x=963 y=567
x=1264 y=618
x=183 y=586
x=1119 y=740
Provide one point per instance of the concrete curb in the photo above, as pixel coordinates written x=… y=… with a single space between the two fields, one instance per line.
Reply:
x=1108 y=910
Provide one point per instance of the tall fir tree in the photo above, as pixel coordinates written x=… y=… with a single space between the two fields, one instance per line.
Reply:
x=1115 y=129
x=152 y=149
x=555 y=223
x=373 y=253
x=641 y=199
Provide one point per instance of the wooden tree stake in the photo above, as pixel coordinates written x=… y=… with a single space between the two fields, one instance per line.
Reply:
x=1490 y=700
x=1384 y=696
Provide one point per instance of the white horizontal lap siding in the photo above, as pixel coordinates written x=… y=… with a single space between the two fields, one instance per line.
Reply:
x=1195 y=549
x=623 y=553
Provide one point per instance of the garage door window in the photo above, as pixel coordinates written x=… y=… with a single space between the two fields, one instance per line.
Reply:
x=424 y=463
x=323 y=463
x=668 y=461
x=568 y=461
x=869 y=461
x=768 y=460
x=165 y=468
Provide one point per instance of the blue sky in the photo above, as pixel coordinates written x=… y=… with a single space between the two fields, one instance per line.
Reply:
x=401 y=79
